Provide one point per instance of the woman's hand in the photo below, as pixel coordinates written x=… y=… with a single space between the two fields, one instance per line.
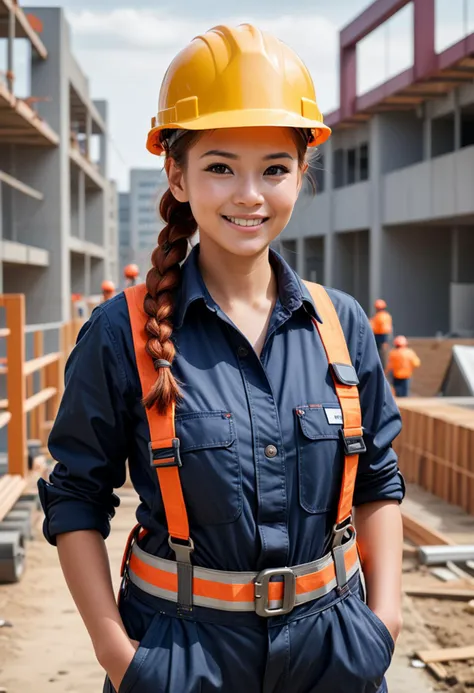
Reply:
x=393 y=621
x=117 y=659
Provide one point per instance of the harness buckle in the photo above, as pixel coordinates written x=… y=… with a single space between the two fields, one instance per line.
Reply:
x=170 y=456
x=182 y=549
x=262 y=599
x=353 y=445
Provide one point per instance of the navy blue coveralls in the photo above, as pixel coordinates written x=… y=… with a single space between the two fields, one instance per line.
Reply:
x=261 y=486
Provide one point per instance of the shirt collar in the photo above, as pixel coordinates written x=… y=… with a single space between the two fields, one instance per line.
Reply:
x=292 y=292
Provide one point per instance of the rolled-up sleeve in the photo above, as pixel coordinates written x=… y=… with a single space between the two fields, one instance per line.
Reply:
x=89 y=439
x=378 y=475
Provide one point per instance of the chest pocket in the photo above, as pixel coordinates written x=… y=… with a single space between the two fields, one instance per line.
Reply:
x=320 y=456
x=211 y=474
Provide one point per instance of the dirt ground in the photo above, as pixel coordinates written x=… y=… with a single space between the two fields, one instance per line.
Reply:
x=47 y=649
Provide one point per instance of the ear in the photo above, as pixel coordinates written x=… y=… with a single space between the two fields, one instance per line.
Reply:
x=176 y=180
x=301 y=174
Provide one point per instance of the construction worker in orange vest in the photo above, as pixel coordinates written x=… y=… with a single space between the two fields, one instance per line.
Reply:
x=382 y=327
x=401 y=363
x=131 y=273
x=108 y=290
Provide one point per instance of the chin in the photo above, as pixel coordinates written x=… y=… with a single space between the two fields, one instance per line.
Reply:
x=247 y=247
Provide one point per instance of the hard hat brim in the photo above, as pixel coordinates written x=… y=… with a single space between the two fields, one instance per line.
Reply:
x=242 y=119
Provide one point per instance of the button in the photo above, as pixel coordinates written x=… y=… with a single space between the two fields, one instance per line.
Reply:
x=271 y=451
x=242 y=352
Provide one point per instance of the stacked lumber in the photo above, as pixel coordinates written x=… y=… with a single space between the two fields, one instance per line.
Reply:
x=435 y=355
x=436 y=449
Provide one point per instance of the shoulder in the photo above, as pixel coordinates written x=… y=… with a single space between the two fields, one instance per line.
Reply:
x=108 y=330
x=354 y=322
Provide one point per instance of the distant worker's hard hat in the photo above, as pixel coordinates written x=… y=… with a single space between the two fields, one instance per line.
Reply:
x=237 y=77
x=108 y=286
x=76 y=297
x=400 y=341
x=131 y=271
x=380 y=304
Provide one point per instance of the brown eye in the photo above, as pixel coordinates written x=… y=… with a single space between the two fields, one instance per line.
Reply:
x=276 y=171
x=219 y=169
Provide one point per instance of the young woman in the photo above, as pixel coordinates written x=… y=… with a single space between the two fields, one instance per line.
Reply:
x=253 y=411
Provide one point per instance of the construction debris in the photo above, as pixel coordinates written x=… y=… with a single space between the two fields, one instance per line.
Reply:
x=453 y=654
x=440 y=593
x=439 y=555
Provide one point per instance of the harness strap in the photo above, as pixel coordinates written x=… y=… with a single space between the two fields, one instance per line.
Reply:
x=345 y=382
x=164 y=447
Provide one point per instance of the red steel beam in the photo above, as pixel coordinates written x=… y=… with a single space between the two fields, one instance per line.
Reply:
x=373 y=17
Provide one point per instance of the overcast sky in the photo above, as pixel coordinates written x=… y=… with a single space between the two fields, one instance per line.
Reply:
x=125 y=46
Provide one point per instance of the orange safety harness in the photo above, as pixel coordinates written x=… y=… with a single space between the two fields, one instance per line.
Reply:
x=190 y=585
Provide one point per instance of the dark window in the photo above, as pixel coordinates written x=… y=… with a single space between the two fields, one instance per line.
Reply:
x=338 y=163
x=364 y=161
x=351 y=166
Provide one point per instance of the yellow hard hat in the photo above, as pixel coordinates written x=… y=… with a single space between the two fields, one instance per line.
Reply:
x=236 y=77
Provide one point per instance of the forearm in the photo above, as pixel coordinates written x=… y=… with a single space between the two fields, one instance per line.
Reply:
x=86 y=567
x=380 y=541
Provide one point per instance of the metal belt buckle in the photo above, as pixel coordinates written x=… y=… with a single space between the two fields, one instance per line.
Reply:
x=261 y=592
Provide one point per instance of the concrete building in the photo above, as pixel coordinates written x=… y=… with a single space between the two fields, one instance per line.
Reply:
x=126 y=252
x=140 y=222
x=394 y=214
x=58 y=209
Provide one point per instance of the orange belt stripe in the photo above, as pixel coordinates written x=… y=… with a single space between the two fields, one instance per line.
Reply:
x=238 y=593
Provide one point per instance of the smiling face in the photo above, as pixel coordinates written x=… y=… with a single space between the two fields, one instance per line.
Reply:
x=242 y=185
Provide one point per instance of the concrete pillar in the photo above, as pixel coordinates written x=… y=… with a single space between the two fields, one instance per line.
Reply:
x=301 y=257
x=427 y=138
x=376 y=229
x=81 y=205
x=455 y=255
x=329 y=238
x=10 y=52
x=357 y=265
x=88 y=134
x=87 y=275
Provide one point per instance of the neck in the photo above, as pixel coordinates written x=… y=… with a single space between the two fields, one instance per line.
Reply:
x=232 y=279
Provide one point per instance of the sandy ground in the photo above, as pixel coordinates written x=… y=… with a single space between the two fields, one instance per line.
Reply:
x=47 y=649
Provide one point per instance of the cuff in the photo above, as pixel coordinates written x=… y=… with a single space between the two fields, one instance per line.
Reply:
x=66 y=514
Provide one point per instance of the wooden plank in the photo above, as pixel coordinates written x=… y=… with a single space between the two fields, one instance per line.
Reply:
x=421 y=534
x=438 y=670
x=16 y=383
x=39 y=398
x=11 y=488
x=5 y=417
x=4 y=332
x=41 y=410
x=455 y=594
x=40 y=362
x=454 y=654
x=20 y=186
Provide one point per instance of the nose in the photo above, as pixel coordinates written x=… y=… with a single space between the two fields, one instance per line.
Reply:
x=247 y=192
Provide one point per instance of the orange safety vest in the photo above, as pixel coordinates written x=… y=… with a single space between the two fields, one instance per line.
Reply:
x=208 y=589
x=402 y=362
x=381 y=322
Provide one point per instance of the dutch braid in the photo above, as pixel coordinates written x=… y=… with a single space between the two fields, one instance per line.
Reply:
x=161 y=282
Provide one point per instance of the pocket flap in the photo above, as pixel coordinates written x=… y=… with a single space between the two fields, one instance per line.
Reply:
x=204 y=430
x=318 y=421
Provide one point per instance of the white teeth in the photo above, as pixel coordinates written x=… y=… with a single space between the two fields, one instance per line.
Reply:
x=245 y=222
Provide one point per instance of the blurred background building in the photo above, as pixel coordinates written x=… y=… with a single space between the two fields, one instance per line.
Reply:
x=58 y=207
x=394 y=211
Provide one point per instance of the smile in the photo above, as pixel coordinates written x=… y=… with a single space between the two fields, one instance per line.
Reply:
x=238 y=221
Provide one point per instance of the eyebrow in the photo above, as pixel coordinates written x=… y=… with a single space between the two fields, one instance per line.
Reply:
x=229 y=155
